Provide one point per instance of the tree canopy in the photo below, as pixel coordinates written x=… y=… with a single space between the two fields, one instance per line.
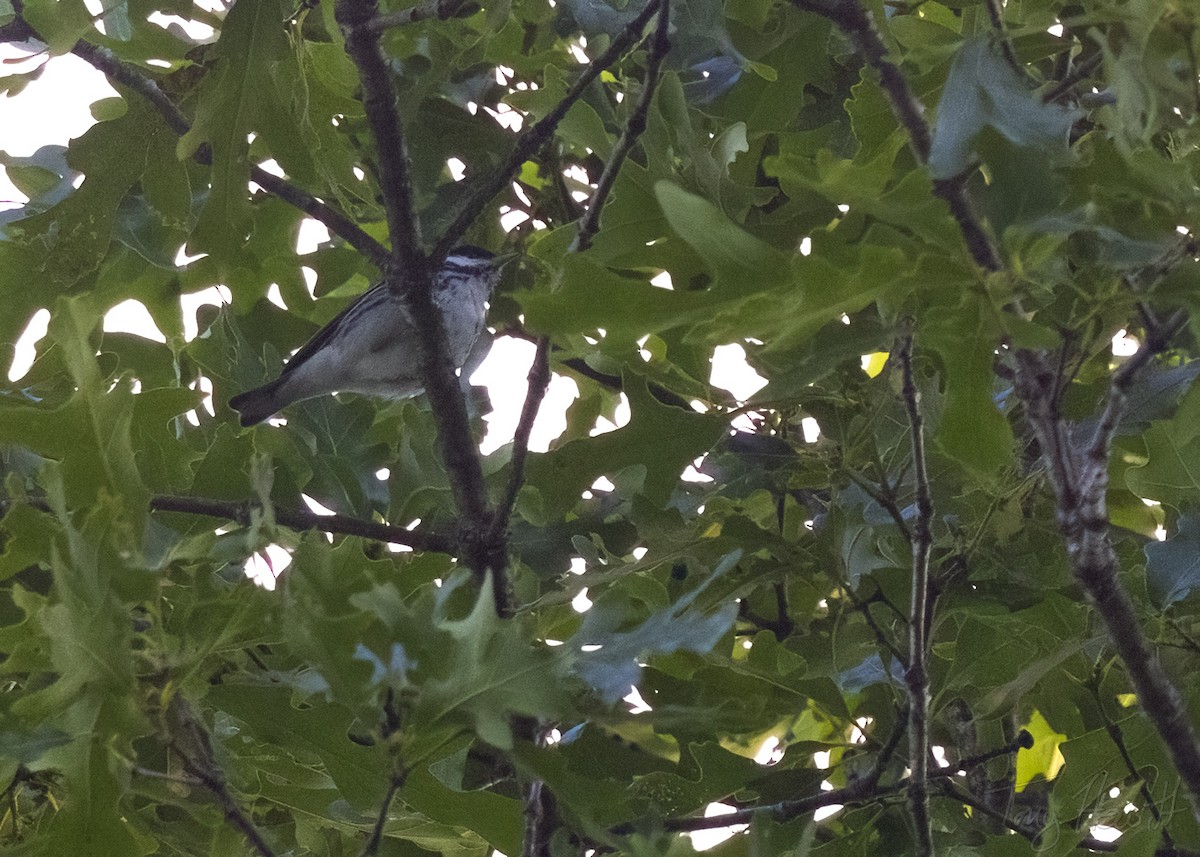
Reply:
x=931 y=589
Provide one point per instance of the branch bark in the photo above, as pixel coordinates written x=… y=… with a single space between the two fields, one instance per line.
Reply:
x=410 y=273
x=242 y=511
x=335 y=221
x=916 y=677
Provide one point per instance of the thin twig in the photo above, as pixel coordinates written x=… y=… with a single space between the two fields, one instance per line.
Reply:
x=541 y=820
x=660 y=45
x=335 y=221
x=916 y=677
x=532 y=140
x=864 y=607
x=589 y=224
x=1082 y=71
x=1024 y=741
x=882 y=496
x=391 y=146
x=149 y=774
x=295 y=519
x=539 y=383
x=995 y=10
x=1157 y=339
x=950 y=790
x=189 y=738
x=1118 y=739
x=371 y=848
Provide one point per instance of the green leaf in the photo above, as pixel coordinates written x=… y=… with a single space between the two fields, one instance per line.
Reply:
x=613 y=668
x=972 y=429
x=1171 y=474
x=317 y=732
x=71 y=238
x=492 y=673
x=663 y=438
x=232 y=103
x=591 y=297
x=61 y=25
x=740 y=263
x=1173 y=566
x=983 y=90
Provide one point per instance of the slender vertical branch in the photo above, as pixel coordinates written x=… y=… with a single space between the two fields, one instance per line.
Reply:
x=391 y=147
x=371 y=848
x=1118 y=739
x=995 y=10
x=660 y=45
x=916 y=677
x=539 y=383
x=411 y=274
x=189 y=738
x=589 y=225
x=541 y=820
x=1081 y=71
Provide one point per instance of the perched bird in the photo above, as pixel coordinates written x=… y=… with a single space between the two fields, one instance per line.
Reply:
x=371 y=347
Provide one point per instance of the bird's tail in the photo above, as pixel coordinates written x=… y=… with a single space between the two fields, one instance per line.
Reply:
x=254 y=406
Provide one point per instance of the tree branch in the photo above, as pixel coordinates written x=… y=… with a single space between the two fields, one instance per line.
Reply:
x=589 y=225
x=856 y=23
x=950 y=790
x=411 y=274
x=531 y=140
x=541 y=820
x=391 y=147
x=187 y=736
x=916 y=677
x=241 y=511
x=371 y=848
x=1079 y=73
x=1079 y=478
x=1118 y=739
x=335 y=221
x=660 y=45
x=995 y=10
x=539 y=383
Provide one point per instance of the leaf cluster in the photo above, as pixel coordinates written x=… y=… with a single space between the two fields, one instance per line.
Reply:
x=749 y=577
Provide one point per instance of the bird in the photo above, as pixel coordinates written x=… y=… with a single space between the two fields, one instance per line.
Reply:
x=371 y=347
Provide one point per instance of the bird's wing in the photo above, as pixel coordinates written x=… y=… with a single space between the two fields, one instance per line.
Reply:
x=331 y=330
